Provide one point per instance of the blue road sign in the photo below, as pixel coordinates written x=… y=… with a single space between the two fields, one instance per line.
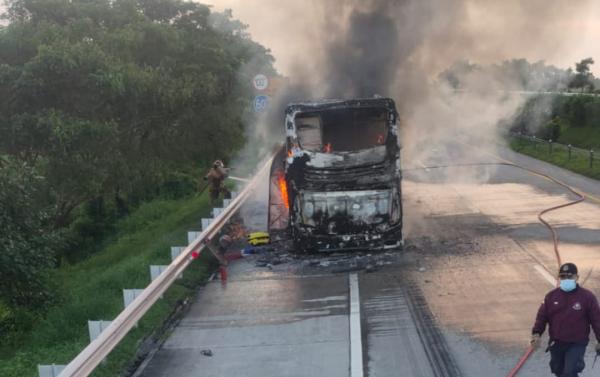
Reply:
x=261 y=103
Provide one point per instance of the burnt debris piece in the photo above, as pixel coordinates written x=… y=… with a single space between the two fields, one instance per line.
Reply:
x=336 y=185
x=331 y=263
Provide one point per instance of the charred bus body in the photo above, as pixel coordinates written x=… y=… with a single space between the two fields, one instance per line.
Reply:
x=336 y=184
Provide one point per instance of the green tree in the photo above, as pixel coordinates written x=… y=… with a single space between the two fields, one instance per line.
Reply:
x=105 y=104
x=110 y=98
x=583 y=79
x=28 y=242
x=576 y=110
x=552 y=129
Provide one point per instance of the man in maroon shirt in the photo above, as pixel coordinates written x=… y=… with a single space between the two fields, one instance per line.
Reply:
x=570 y=310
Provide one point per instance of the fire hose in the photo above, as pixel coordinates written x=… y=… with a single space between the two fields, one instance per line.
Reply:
x=555 y=241
x=580 y=198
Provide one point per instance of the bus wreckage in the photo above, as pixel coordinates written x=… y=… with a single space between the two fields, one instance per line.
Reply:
x=336 y=184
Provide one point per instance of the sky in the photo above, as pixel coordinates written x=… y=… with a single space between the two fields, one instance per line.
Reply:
x=559 y=32
x=567 y=30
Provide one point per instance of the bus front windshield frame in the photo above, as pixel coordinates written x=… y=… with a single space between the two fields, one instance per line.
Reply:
x=342 y=130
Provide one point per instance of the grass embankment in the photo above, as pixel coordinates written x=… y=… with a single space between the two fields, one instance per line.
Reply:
x=92 y=290
x=587 y=138
x=579 y=161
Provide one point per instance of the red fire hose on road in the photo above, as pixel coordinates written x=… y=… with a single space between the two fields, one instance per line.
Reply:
x=580 y=198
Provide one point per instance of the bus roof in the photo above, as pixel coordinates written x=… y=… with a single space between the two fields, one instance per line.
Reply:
x=331 y=104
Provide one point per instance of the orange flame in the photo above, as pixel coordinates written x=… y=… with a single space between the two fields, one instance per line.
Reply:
x=290 y=153
x=284 y=192
x=327 y=148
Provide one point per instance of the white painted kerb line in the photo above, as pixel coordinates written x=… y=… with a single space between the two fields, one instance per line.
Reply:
x=356 y=354
x=551 y=279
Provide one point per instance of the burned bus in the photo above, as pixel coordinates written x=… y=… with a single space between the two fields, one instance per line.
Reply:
x=336 y=184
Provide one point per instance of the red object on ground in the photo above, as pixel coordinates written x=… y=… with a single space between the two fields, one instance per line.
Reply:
x=195 y=254
x=233 y=255
x=223 y=273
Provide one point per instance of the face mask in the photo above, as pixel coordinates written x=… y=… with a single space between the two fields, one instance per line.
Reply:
x=567 y=285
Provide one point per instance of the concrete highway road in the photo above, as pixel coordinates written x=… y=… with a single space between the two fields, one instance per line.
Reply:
x=458 y=301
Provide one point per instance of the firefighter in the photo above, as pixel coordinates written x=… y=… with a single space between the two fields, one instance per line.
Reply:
x=215 y=178
x=570 y=310
x=219 y=253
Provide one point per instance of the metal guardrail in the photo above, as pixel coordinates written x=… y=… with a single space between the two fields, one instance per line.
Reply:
x=85 y=363
x=573 y=153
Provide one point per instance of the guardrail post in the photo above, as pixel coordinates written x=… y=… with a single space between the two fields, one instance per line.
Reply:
x=535 y=144
x=155 y=271
x=206 y=223
x=591 y=158
x=95 y=328
x=175 y=252
x=129 y=295
x=550 y=146
x=50 y=370
x=570 y=148
x=192 y=235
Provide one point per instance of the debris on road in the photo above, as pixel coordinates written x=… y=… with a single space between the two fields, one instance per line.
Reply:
x=329 y=263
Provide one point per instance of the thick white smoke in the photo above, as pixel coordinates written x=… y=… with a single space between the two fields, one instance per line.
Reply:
x=397 y=48
x=349 y=48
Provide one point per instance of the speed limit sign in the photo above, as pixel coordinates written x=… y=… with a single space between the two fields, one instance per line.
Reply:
x=260 y=82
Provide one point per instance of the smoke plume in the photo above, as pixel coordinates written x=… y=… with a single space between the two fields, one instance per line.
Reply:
x=350 y=47
x=397 y=48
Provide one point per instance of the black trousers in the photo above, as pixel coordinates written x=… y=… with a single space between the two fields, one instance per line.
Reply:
x=216 y=191
x=566 y=359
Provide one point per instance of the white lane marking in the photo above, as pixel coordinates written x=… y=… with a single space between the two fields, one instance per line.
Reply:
x=356 y=354
x=325 y=299
x=545 y=274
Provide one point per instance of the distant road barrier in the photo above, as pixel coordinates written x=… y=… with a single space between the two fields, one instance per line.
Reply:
x=85 y=363
x=552 y=147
